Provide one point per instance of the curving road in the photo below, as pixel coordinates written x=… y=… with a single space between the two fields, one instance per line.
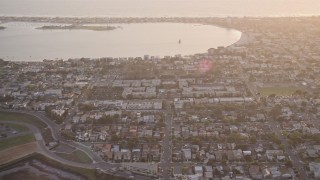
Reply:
x=98 y=163
x=42 y=148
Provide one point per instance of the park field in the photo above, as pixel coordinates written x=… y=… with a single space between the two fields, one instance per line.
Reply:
x=278 y=91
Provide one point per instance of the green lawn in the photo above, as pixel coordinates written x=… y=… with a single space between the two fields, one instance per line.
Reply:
x=12 y=116
x=18 y=117
x=279 y=91
x=76 y=156
x=14 y=141
x=17 y=127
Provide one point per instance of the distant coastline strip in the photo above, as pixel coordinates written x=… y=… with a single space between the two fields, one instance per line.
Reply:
x=79 y=27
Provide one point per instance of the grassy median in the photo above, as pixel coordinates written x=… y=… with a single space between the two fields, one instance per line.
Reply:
x=76 y=156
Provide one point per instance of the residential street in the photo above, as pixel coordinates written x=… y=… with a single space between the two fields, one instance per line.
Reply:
x=166 y=144
x=295 y=159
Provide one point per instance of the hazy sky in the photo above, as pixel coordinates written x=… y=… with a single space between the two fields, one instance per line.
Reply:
x=160 y=7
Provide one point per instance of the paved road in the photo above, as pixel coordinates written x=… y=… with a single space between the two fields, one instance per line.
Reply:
x=166 y=144
x=43 y=149
x=55 y=128
x=97 y=160
x=295 y=159
x=51 y=125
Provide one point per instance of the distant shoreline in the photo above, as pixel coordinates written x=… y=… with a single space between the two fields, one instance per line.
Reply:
x=112 y=20
x=78 y=27
x=244 y=38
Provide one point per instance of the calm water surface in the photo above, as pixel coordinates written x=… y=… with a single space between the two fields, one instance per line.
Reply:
x=21 y=41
